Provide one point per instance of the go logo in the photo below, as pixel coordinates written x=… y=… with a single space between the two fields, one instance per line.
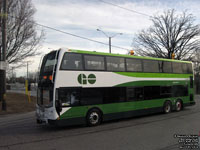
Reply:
x=83 y=79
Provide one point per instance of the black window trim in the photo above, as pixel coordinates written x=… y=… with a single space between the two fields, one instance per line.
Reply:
x=125 y=66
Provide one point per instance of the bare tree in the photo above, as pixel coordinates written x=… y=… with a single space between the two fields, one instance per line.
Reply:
x=22 y=38
x=170 y=33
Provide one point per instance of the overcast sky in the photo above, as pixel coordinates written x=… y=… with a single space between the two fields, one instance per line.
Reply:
x=83 y=17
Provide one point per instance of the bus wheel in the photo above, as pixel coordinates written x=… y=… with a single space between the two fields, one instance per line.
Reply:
x=167 y=107
x=178 y=105
x=93 y=117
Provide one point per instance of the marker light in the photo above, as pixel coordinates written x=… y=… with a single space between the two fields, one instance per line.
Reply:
x=50 y=77
x=131 y=52
x=173 y=55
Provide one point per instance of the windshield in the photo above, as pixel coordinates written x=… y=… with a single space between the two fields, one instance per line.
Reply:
x=48 y=63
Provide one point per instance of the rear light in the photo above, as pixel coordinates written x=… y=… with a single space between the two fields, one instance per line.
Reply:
x=44 y=77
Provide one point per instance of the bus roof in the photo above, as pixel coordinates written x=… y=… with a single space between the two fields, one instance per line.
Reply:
x=123 y=55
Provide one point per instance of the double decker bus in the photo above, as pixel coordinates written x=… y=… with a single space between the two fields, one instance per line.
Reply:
x=78 y=87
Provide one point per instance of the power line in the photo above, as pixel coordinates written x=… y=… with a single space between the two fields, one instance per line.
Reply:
x=130 y=10
x=78 y=36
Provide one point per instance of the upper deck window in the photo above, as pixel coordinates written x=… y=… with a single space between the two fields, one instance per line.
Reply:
x=72 y=62
x=115 y=64
x=94 y=62
x=151 y=66
x=177 y=67
x=167 y=67
x=187 y=68
x=134 y=65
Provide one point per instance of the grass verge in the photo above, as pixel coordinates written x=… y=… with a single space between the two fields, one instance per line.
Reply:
x=18 y=103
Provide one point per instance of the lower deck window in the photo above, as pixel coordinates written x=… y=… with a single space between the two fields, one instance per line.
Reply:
x=151 y=92
x=90 y=96
x=93 y=96
x=134 y=93
x=69 y=97
x=180 y=90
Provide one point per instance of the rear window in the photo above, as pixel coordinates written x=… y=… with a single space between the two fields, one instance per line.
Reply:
x=187 y=68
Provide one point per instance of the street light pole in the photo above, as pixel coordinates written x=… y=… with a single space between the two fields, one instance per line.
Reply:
x=109 y=37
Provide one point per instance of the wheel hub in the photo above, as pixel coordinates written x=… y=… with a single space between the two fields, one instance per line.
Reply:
x=178 y=106
x=94 y=118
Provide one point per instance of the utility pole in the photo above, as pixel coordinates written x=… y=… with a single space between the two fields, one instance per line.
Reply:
x=109 y=37
x=12 y=75
x=109 y=44
x=3 y=57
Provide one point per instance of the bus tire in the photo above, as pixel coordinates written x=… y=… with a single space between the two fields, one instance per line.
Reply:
x=167 y=108
x=178 y=105
x=93 y=117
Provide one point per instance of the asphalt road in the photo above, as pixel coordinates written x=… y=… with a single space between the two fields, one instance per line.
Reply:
x=142 y=133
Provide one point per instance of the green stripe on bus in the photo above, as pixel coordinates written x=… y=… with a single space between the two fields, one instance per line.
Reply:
x=153 y=83
x=153 y=75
